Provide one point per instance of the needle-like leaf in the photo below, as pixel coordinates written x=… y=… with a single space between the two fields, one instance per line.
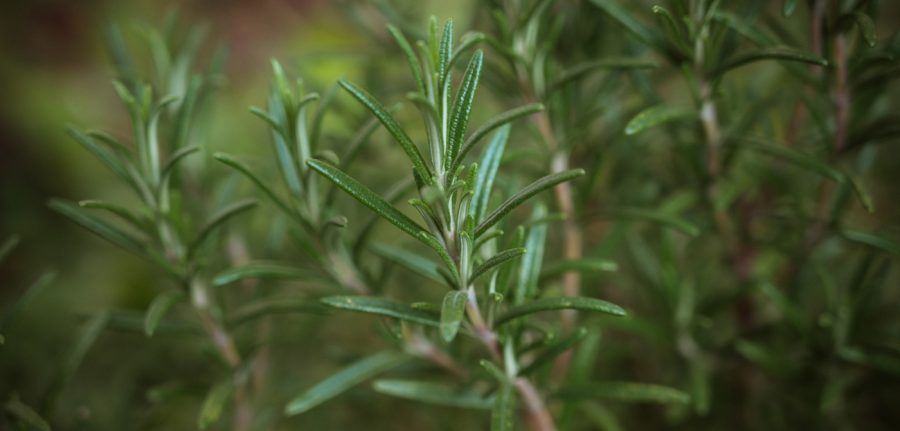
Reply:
x=522 y=195
x=570 y=303
x=625 y=391
x=366 y=196
x=159 y=307
x=433 y=393
x=392 y=127
x=453 y=311
x=343 y=380
x=462 y=108
x=383 y=307
x=656 y=115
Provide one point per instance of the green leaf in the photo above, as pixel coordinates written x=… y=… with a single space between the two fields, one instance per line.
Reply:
x=382 y=307
x=25 y=414
x=522 y=195
x=656 y=115
x=109 y=159
x=625 y=391
x=8 y=246
x=269 y=306
x=749 y=31
x=159 y=307
x=866 y=28
x=410 y=57
x=411 y=261
x=214 y=404
x=497 y=260
x=121 y=212
x=774 y=53
x=548 y=304
x=432 y=393
x=880 y=361
x=218 y=219
x=242 y=168
x=530 y=267
x=579 y=71
x=553 y=350
x=453 y=310
x=872 y=240
x=176 y=157
x=860 y=190
x=659 y=217
x=625 y=18
x=343 y=380
x=445 y=51
x=487 y=171
x=492 y=124
x=799 y=159
x=503 y=416
x=84 y=340
x=392 y=127
x=367 y=197
x=788 y=8
x=30 y=292
x=100 y=227
x=462 y=108
x=580 y=265
x=260 y=270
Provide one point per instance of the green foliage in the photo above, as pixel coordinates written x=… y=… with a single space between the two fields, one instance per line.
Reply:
x=720 y=169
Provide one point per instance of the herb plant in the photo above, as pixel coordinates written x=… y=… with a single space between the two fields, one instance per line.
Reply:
x=610 y=215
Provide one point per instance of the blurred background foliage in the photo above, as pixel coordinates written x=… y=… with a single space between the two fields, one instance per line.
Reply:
x=763 y=364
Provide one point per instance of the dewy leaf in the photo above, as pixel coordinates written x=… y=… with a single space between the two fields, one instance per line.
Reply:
x=432 y=393
x=522 y=195
x=664 y=219
x=392 y=127
x=548 y=304
x=159 y=307
x=497 y=260
x=367 y=197
x=553 y=350
x=343 y=380
x=797 y=158
x=26 y=415
x=625 y=391
x=503 y=416
x=453 y=310
x=462 y=108
x=260 y=270
x=382 y=307
x=218 y=219
x=656 y=115
x=774 y=53
x=872 y=240
x=492 y=124
x=411 y=261
x=214 y=404
x=487 y=171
